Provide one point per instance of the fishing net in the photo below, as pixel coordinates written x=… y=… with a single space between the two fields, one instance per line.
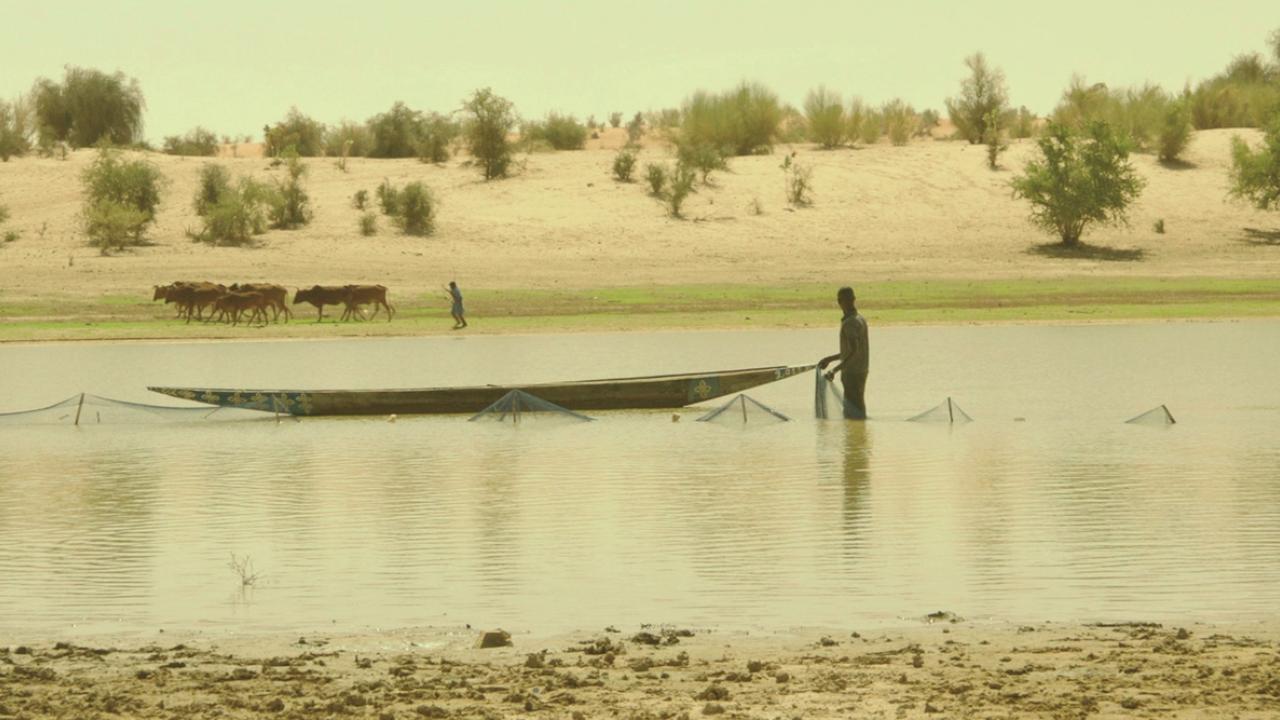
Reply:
x=824 y=392
x=947 y=412
x=88 y=409
x=519 y=406
x=1155 y=416
x=743 y=410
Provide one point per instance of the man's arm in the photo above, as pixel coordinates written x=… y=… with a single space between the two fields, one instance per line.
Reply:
x=824 y=362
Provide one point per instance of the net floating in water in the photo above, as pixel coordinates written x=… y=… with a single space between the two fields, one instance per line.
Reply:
x=519 y=406
x=743 y=409
x=947 y=412
x=821 y=389
x=89 y=409
x=1155 y=416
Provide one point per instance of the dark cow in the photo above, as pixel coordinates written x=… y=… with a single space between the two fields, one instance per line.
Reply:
x=275 y=295
x=193 y=298
x=321 y=295
x=232 y=305
x=358 y=295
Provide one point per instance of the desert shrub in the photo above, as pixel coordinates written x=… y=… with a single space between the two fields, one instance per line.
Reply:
x=678 y=190
x=1158 y=226
x=872 y=127
x=1138 y=115
x=121 y=199
x=214 y=183
x=368 y=223
x=396 y=132
x=994 y=140
x=703 y=158
x=855 y=116
x=289 y=204
x=558 y=132
x=1175 y=131
x=360 y=200
x=928 y=120
x=1245 y=94
x=741 y=121
x=388 y=198
x=656 y=176
x=635 y=129
x=1255 y=174
x=624 y=164
x=615 y=119
x=664 y=119
x=16 y=128
x=1021 y=123
x=238 y=214
x=89 y=106
x=899 y=121
x=348 y=139
x=4 y=214
x=1079 y=179
x=198 y=142
x=824 y=111
x=980 y=93
x=489 y=119
x=799 y=182
x=438 y=133
x=417 y=214
x=793 y=128
x=297 y=131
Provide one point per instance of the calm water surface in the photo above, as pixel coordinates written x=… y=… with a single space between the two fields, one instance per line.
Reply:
x=1048 y=507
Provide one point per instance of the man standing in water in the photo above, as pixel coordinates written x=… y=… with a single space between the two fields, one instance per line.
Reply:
x=854 y=357
x=455 y=298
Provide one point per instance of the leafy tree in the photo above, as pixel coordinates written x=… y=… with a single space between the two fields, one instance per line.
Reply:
x=438 y=132
x=121 y=198
x=615 y=119
x=1255 y=174
x=297 y=131
x=980 y=93
x=214 y=183
x=824 y=111
x=1079 y=179
x=490 y=119
x=87 y=107
x=742 y=121
x=289 y=204
x=1175 y=130
x=417 y=215
x=337 y=137
x=239 y=213
x=396 y=132
x=16 y=128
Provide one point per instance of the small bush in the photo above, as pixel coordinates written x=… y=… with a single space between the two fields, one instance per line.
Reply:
x=417 y=210
x=1079 y=179
x=871 y=128
x=981 y=93
x=214 y=183
x=799 y=182
x=11 y=236
x=4 y=214
x=297 y=131
x=238 y=214
x=701 y=157
x=742 y=121
x=928 y=120
x=994 y=140
x=1159 y=226
x=624 y=164
x=290 y=204
x=388 y=198
x=560 y=132
x=89 y=106
x=1021 y=123
x=348 y=139
x=899 y=120
x=635 y=129
x=681 y=186
x=855 y=116
x=490 y=119
x=824 y=111
x=368 y=223
x=1175 y=131
x=755 y=207
x=656 y=176
x=1255 y=174
x=360 y=200
x=198 y=142
x=615 y=119
x=121 y=199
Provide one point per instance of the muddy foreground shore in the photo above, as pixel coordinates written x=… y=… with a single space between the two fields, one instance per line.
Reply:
x=938 y=669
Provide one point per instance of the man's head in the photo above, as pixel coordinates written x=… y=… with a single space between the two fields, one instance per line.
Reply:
x=453 y=284
x=845 y=297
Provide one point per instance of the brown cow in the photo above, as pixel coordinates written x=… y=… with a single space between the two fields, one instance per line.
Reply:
x=233 y=304
x=358 y=295
x=275 y=295
x=193 y=297
x=321 y=295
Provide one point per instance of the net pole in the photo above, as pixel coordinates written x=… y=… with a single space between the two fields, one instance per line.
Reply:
x=951 y=414
x=79 y=406
x=743 y=402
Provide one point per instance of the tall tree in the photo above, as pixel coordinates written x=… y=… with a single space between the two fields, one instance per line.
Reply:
x=981 y=93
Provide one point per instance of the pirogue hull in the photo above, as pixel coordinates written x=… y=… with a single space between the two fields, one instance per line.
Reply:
x=657 y=391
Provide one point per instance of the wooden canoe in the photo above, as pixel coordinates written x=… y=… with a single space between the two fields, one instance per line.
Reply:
x=655 y=391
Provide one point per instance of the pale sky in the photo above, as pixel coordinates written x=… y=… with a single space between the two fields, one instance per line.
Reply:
x=234 y=66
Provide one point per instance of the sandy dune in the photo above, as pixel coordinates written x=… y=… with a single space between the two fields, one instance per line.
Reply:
x=927 y=210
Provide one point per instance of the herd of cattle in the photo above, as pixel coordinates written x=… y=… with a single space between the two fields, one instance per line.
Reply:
x=230 y=303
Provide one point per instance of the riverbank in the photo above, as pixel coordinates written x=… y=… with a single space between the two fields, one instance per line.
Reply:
x=945 y=668
x=695 y=306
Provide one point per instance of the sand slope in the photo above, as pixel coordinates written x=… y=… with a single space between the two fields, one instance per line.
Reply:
x=931 y=209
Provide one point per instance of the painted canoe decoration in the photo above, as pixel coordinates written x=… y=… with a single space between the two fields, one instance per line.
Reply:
x=654 y=391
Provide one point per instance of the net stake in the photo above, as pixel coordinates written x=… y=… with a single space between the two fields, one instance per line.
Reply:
x=78 y=407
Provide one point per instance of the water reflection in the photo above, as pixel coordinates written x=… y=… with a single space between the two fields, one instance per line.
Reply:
x=857 y=485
